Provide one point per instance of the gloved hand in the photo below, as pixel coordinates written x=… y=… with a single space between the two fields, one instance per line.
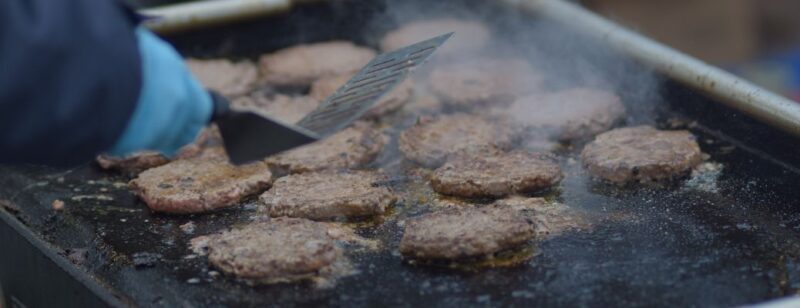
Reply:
x=173 y=107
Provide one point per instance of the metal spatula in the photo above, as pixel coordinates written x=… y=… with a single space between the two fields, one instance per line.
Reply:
x=250 y=136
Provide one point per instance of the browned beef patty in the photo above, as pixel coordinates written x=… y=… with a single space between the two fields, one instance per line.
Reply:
x=469 y=36
x=328 y=195
x=495 y=175
x=302 y=64
x=432 y=140
x=392 y=101
x=577 y=113
x=483 y=81
x=456 y=234
x=352 y=147
x=133 y=163
x=137 y=162
x=549 y=218
x=289 y=109
x=641 y=154
x=226 y=77
x=279 y=250
x=200 y=184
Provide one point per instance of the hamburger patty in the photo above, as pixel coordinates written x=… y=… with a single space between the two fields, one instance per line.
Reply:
x=392 y=101
x=226 y=77
x=137 y=162
x=431 y=140
x=352 y=147
x=469 y=36
x=200 y=184
x=302 y=64
x=641 y=154
x=577 y=113
x=495 y=175
x=328 y=195
x=456 y=234
x=289 y=109
x=550 y=219
x=280 y=250
x=483 y=81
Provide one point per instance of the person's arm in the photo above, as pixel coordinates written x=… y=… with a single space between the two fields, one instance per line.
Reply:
x=77 y=78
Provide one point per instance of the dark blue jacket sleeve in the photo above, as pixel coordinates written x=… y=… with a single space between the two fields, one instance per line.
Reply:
x=70 y=78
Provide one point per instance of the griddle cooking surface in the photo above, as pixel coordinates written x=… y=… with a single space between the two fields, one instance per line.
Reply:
x=675 y=246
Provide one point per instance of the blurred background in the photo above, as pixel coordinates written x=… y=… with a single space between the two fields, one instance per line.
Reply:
x=758 y=40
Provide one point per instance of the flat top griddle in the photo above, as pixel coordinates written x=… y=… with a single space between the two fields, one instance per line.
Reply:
x=678 y=245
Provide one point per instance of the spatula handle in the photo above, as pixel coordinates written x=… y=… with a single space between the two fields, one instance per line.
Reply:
x=222 y=107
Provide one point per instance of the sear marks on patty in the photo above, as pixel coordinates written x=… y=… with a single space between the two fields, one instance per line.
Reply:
x=224 y=76
x=470 y=36
x=328 y=195
x=279 y=250
x=572 y=114
x=352 y=147
x=289 y=109
x=550 y=219
x=392 y=101
x=467 y=233
x=431 y=140
x=483 y=81
x=641 y=154
x=498 y=175
x=302 y=64
x=200 y=184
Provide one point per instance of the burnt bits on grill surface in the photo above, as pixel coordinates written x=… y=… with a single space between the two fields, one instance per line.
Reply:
x=431 y=140
x=641 y=154
x=352 y=147
x=392 y=101
x=286 y=108
x=467 y=233
x=224 y=76
x=200 y=184
x=279 y=250
x=328 y=195
x=470 y=36
x=300 y=65
x=483 y=81
x=577 y=113
x=497 y=175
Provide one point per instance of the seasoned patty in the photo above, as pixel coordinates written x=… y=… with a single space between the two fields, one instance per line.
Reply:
x=328 y=195
x=577 y=113
x=200 y=184
x=392 y=101
x=431 y=140
x=495 y=175
x=226 y=77
x=549 y=218
x=137 y=162
x=279 y=250
x=469 y=36
x=456 y=234
x=286 y=108
x=483 y=81
x=352 y=147
x=302 y=64
x=641 y=154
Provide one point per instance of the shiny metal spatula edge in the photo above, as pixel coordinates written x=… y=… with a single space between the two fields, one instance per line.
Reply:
x=367 y=87
x=249 y=136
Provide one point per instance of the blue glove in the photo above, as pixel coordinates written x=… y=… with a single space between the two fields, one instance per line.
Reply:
x=173 y=107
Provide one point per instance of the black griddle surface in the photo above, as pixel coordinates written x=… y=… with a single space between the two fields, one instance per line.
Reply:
x=672 y=246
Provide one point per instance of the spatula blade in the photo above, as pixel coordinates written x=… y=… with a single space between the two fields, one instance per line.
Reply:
x=249 y=136
x=362 y=91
